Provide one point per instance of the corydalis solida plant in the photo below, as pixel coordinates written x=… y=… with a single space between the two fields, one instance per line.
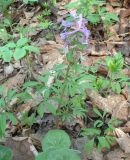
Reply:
x=75 y=31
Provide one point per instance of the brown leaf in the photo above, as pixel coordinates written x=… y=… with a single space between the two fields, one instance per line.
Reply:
x=51 y=55
x=123 y=140
x=21 y=148
x=113 y=104
x=117 y=154
x=16 y=81
x=125 y=13
x=127 y=3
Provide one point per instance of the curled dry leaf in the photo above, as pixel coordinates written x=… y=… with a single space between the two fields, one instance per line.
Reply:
x=116 y=105
x=123 y=140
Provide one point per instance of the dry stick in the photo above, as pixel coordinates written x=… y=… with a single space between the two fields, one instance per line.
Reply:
x=107 y=41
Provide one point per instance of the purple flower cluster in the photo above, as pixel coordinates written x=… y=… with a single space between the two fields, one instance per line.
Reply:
x=71 y=30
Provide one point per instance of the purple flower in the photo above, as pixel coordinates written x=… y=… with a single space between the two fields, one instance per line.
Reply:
x=72 y=28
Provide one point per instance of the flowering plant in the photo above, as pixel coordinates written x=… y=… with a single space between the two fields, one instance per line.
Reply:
x=75 y=31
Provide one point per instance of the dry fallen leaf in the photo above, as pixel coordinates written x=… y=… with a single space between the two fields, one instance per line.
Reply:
x=116 y=105
x=123 y=140
x=16 y=81
x=51 y=55
x=117 y=154
x=21 y=148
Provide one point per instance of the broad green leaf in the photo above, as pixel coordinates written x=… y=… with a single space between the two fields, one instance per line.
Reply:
x=56 y=139
x=5 y=153
x=59 y=154
x=19 y=53
x=22 y=41
x=7 y=55
x=11 y=45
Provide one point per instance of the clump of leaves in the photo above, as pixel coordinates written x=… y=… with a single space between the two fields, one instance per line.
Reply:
x=94 y=11
x=115 y=66
x=65 y=96
x=56 y=145
x=5 y=112
x=115 y=78
x=17 y=50
x=101 y=134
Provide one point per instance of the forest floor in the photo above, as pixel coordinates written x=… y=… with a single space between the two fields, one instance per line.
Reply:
x=24 y=138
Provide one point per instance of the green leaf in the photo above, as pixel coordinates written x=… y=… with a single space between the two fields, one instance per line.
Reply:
x=2 y=125
x=2 y=102
x=98 y=123
x=5 y=153
x=19 y=53
x=10 y=94
x=56 y=139
x=89 y=146
x=52 y=108
x=30 y=84
x=59 y=154
x=118 y=88
x=7 y=55
x=97 y=112
x=93 y=18
x=103 y=143
x=72 y=5
x=23 y=96
x=32 y=49
x=11 y=45
x=91 y=132
x=41 y=109
x=12 y=118
x=21 y=42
